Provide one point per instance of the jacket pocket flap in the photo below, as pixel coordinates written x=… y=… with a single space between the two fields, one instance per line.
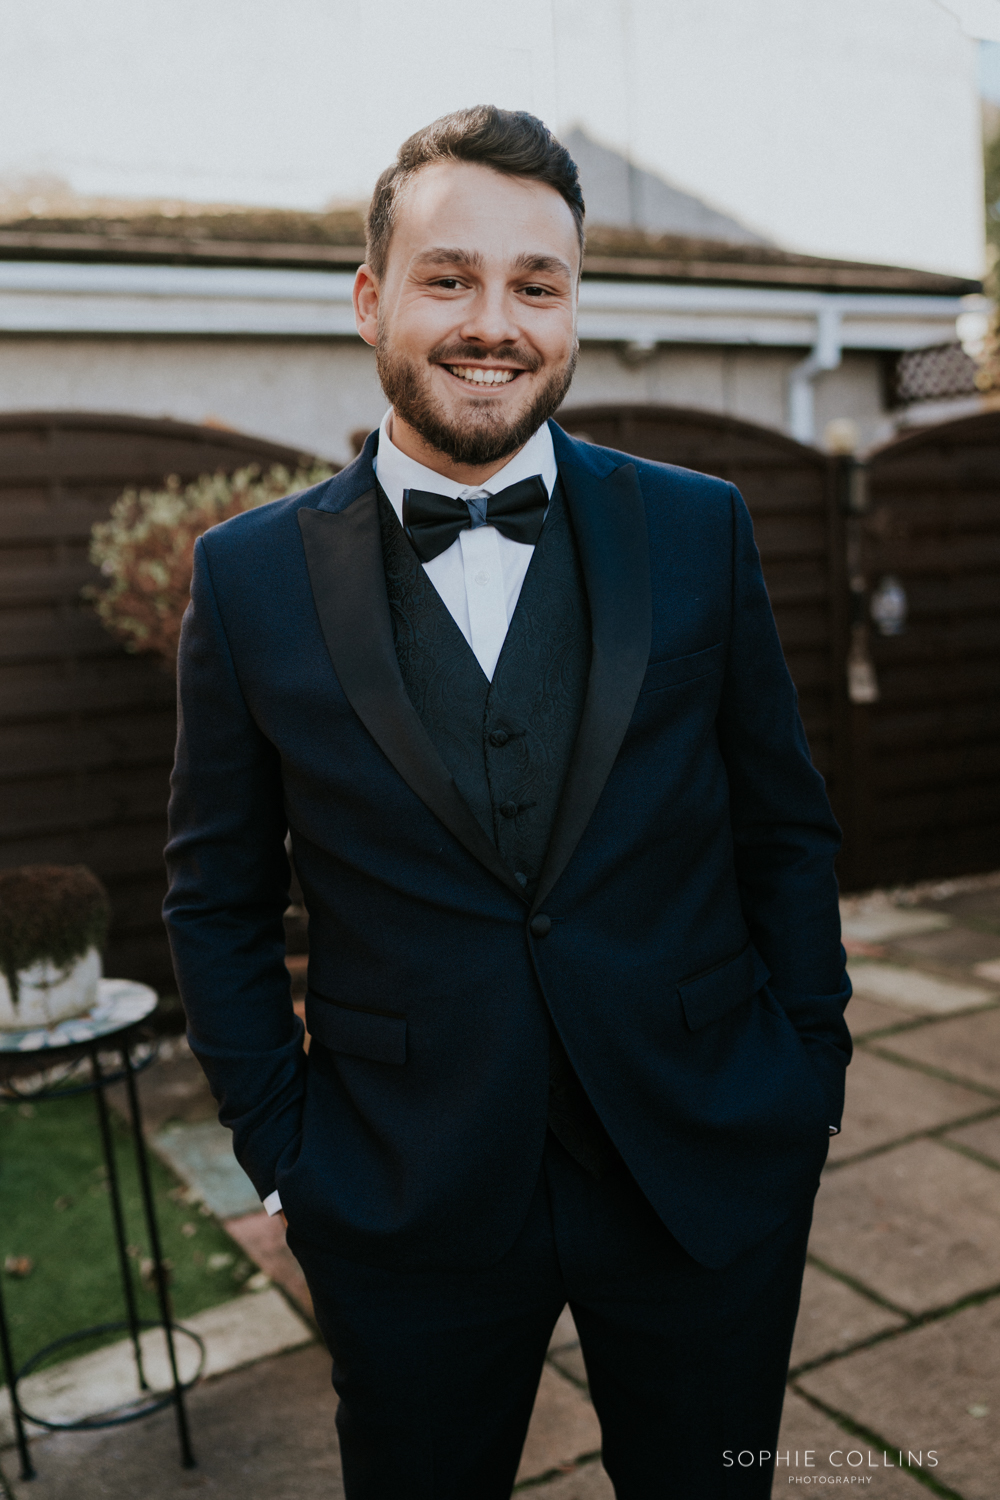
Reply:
x=677 y=669
x=706 y=997
x=360 y=1033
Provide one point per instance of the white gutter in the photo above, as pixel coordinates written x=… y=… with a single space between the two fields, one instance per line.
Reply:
x=692 y=313
x=48 y=297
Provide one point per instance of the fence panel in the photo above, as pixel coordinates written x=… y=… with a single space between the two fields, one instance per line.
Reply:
x=931 y=744
x=790 y=492
x=87 y=730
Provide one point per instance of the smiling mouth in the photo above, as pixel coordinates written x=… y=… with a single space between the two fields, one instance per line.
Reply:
x=477 y=375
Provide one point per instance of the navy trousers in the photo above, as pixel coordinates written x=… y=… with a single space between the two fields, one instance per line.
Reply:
x=437 y=1371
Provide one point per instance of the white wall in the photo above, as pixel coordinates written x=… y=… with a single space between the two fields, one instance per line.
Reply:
x=842 y=127
x=308 y=393
x=313 y=393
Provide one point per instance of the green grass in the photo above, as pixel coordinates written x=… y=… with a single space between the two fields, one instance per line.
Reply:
x=55 y=1208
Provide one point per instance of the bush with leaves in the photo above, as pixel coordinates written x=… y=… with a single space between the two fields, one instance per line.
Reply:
x=146 y=549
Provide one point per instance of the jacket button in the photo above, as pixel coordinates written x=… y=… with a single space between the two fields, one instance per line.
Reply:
x=499 y=737
x=508 y=809
x=540 y=925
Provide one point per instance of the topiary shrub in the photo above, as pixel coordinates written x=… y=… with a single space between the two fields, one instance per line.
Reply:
x=49 y=913
x=146 y=549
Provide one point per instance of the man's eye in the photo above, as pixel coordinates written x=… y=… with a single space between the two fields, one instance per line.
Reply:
x=448 y=282
x=535 y=291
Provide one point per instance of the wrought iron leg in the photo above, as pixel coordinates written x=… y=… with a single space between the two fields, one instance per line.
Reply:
x=159 y=1270
x=111 y=1166
x=27 y=1467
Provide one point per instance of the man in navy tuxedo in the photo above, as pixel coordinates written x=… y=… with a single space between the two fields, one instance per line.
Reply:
x=576 y=989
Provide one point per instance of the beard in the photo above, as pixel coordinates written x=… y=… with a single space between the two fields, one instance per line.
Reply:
x=482 y=434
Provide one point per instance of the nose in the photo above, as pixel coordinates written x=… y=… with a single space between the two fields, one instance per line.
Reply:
x=489 y=319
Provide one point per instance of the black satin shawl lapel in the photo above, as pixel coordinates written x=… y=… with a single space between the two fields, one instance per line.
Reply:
x=609 y=523
x=344 y=557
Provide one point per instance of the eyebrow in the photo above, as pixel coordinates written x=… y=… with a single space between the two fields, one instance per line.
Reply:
x=447 y=255
x=543 y=263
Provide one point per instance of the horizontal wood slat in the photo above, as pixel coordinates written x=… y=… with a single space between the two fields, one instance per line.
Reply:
x=933 y=739
x=790 y=495
x=86 y=730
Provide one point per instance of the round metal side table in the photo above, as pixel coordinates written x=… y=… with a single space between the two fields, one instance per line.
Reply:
x=84 y=1056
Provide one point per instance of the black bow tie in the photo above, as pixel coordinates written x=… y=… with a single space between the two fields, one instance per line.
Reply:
x=432 y=522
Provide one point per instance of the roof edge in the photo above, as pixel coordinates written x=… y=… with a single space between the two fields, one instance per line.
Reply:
x=693 y=261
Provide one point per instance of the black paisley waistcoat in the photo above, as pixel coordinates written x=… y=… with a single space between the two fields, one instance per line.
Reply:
x=507 y=743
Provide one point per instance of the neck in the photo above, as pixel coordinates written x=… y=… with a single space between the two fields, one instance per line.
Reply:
x=409 y=441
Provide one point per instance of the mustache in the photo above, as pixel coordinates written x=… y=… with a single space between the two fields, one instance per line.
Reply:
x=502 y=354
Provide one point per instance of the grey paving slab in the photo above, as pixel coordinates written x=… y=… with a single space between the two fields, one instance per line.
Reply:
x=813 y=1448
x=967 y=1046
x=980 y=907
x=172 y=1089
x=919 y=1225
x=936 y=1388
x=265 y=1433
x=886 y=1101
x=570 y=1361
x=202 y=1156
x=833 y=1316
x=957 y=949
x=864 y=1015
x=563 y=1428
x=564 y=1332
x=878 y=921
x=913 y=989
x=587 y=1482
x=984 y=1137
x=251 y=1327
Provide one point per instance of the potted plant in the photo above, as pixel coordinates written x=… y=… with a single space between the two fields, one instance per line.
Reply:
x=145 y=550
x=53 y=923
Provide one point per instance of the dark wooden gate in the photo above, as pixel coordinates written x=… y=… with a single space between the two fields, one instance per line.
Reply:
x=915 y=775
x=87 y=730
x=790 y=492
x=927 y=753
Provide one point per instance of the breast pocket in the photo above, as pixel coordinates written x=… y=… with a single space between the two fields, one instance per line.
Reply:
x=375 y=1035
x=673 y=670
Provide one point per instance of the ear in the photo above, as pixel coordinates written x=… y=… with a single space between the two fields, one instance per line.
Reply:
x=366 y=297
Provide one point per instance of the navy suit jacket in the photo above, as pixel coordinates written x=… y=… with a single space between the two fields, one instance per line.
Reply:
x=693 y=968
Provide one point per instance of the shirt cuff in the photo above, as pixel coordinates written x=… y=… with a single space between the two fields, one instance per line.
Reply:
x=834 y=1130
x=273 y=1203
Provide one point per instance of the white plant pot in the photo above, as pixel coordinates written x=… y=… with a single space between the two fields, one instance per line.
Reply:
x=48 y=994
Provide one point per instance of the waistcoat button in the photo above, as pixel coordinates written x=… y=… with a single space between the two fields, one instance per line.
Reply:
x=499 y=737
x=508 y=809
x=540 y=925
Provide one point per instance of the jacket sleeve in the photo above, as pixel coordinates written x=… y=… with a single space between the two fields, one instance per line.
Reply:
x=785 y=838
x=228 y=890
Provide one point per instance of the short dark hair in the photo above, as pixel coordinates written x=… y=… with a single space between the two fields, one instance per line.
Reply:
x=507 y=140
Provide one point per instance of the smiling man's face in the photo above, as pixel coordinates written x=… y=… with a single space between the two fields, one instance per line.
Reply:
x=474 y=320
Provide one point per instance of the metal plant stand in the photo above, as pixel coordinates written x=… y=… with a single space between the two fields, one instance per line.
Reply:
x=82 y=1056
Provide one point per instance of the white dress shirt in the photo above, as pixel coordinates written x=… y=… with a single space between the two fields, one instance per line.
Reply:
x=479 y=576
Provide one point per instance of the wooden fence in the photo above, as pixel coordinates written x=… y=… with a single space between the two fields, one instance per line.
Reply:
x=87 y=730
x=926 y=764
x=914 y=776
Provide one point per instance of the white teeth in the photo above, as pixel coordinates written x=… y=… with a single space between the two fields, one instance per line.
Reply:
x=478 y=376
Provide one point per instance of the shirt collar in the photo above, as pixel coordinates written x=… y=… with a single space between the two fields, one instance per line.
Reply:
x=396 y=472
